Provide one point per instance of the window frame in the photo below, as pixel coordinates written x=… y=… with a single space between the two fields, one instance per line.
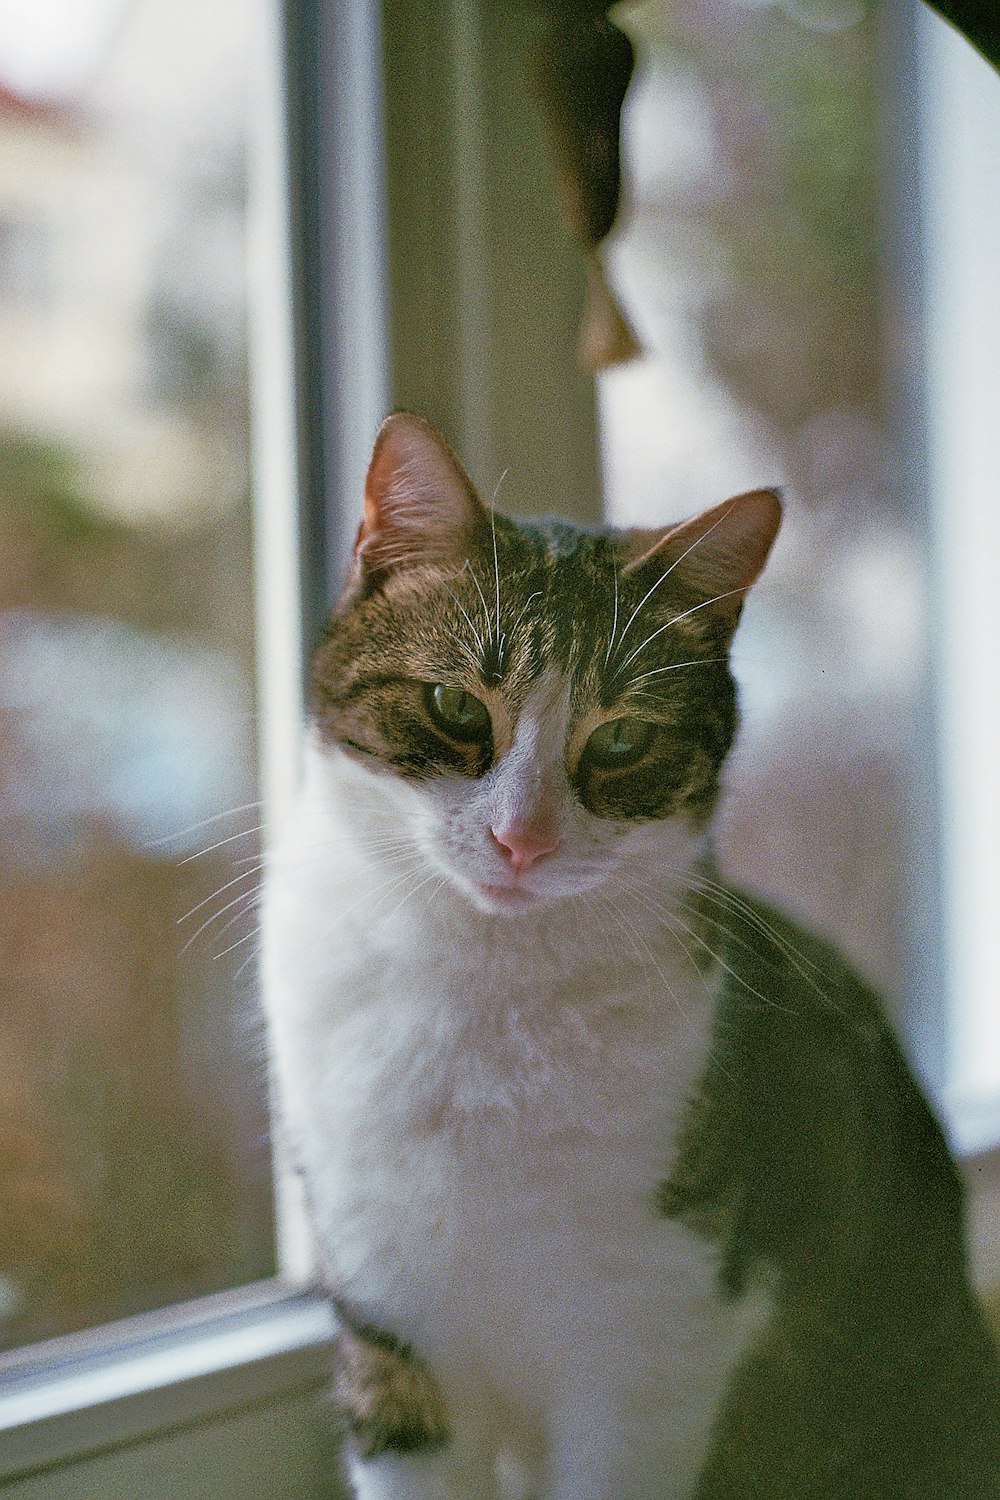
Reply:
x=960 y=325
x=81 y=1394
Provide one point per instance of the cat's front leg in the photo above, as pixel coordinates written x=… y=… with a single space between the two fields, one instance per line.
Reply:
x=448 y=1473
x=404 y=1444
x=633 y=1444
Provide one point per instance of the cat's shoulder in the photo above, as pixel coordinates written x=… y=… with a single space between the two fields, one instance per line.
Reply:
x=808 y=1134
x=814 y=1162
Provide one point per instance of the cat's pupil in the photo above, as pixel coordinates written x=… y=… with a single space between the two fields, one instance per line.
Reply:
x=619 y=742
x=458 y=713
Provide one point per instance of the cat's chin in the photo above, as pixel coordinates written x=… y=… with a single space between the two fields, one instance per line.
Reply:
x=514 y=900
x=506 y=899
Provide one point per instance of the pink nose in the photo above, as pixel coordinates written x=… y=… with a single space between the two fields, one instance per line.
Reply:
x=523 y=847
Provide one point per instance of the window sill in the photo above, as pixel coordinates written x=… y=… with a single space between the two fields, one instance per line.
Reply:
x=130 y=1380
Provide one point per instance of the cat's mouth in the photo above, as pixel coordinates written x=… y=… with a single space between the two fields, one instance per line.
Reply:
x=504 y=897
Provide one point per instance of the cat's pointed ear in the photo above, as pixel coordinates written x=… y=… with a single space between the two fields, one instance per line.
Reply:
x=420 y=505
x=718 y=553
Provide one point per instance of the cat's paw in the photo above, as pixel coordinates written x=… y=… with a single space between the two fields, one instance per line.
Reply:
x=390 y=1401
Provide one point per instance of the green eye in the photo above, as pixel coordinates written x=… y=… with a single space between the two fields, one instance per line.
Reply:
x=458 y=713
x=619 y=742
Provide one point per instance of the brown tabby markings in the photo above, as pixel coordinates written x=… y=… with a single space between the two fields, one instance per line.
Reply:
x=390 y=1401
x=433 y=624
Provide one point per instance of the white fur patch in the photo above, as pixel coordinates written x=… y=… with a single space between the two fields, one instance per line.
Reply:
x=484 y=1098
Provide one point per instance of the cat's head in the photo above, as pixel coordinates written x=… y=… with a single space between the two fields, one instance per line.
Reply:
x=542 y=707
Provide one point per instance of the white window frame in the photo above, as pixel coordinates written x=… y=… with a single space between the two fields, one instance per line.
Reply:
x=959 y=137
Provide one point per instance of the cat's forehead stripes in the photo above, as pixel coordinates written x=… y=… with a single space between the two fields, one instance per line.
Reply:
x=551 y=605
x=564 y=604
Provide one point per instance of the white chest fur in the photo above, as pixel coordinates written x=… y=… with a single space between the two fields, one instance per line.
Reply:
x=483 y=1108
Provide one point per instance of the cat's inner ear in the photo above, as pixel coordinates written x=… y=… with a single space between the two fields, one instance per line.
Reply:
x=420 y=505
x=718 y=553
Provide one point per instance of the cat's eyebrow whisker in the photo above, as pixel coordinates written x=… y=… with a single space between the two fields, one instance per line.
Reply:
x=701 y=661
x=482 y=597
x=523 y=611
x=475 y=662
x=499 y=486
x=495 y=555
x=614 y=618
x=667 y=571
x=496 y=564
x=475 y=633
x=715 y=599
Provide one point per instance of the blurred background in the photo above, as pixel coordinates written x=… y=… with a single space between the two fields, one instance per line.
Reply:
x=753 y=257
x=134 y=1166
x=750 y=256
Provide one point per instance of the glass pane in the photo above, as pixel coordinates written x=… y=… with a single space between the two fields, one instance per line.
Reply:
x=134 y=1167
x=749 y=260
x=752 y=258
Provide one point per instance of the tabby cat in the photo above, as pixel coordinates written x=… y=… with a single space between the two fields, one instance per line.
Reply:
x=619 y=1183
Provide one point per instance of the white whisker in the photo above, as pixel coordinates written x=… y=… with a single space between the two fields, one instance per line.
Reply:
x=614 y=619
x=249 y=898
x=419 y=886
x=482 y=596
x=496 y=564
x=499 y=487
x=667 y=572
x=384 y=889
x=210 y=849
x=238 y=943
x=716 y=598
x=180 y=833
x=258 y=866
x=475 y=633
x=671 y=917
x=703 y=661
x=213 y=918
x=727 y=899
x=524 y=610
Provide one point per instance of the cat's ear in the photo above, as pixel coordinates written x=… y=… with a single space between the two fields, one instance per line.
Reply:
x=717 y=553
x=420 y=505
